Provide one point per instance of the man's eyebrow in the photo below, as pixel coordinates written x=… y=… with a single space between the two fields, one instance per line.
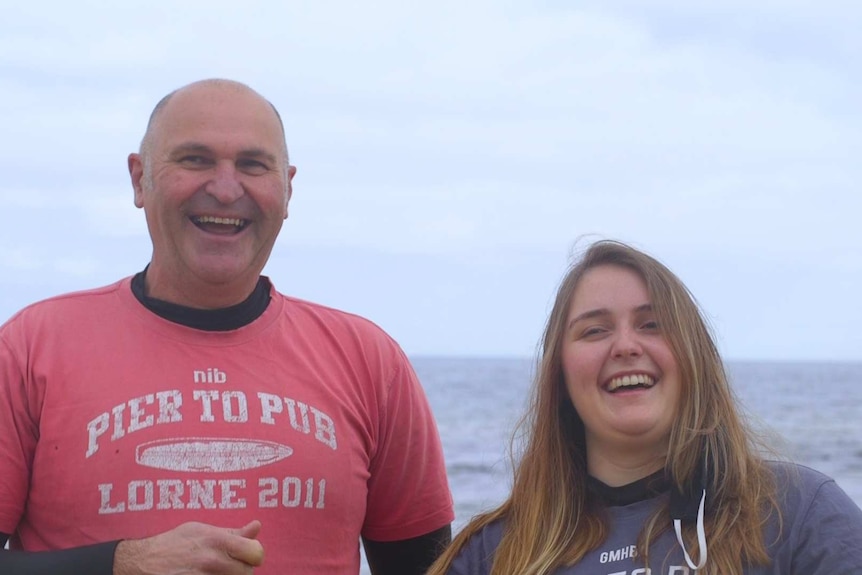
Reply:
x=197 y=148
x=190 y=147
x=259 y=153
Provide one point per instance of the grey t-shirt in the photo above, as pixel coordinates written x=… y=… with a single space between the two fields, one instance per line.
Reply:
x=821 y=535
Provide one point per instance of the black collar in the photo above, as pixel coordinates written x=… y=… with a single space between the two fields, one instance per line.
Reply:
x=224 y=319
x=640 y=490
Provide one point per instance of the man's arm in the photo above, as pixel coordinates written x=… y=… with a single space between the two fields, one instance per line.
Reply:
x=93 y=559
x=407 y=556
x=200 y=548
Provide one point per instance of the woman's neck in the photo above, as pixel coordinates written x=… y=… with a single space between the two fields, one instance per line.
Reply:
x=615 y=467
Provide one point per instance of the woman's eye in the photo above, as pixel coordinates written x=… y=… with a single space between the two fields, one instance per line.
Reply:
x=592 y=331
x=651 y=325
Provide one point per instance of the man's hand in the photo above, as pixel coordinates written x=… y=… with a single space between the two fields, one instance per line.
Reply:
x=192 y=549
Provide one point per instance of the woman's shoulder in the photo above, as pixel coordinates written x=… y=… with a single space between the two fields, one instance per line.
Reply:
x=488 y=537
x=798 y=478
x=477 y=554
x=804 y=493
x=819 y=527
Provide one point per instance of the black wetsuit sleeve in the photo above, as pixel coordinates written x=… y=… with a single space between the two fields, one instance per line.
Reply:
x=404 y=557
x=407 y=556
x=95 y=559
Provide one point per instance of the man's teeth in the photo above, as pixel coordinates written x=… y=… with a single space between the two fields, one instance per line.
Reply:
x=221 y=221
x=631 y=380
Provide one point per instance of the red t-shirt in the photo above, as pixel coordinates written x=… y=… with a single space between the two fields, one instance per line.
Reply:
x=116 y=423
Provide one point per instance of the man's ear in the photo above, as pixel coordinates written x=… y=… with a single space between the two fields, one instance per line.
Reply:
x=136 y=171
x=291 y=171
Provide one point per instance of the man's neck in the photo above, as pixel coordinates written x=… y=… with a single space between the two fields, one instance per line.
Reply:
x=223 y=319
x=198 y=295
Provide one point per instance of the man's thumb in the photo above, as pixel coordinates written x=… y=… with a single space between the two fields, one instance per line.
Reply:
x=249 y=530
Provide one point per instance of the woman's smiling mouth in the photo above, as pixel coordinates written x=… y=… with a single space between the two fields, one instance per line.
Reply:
x=638 y=380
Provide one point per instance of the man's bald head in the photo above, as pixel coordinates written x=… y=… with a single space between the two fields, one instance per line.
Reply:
x=214 y=183
x=217 y=83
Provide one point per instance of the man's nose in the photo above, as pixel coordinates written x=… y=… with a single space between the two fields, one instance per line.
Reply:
x=225 y=185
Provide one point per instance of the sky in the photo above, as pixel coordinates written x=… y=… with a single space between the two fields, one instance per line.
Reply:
x=453 y=155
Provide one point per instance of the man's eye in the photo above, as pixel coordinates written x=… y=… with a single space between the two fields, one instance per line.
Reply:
x=194 y=160
x=252 y=166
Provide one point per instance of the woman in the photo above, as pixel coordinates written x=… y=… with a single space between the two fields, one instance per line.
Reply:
x=636 y=459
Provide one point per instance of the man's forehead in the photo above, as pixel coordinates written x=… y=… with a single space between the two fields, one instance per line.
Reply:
x=200 y=109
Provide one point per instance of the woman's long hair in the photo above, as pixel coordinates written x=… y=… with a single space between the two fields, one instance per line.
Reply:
x=549 y=518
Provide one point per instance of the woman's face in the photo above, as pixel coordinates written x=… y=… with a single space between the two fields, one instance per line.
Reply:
x=619 y=369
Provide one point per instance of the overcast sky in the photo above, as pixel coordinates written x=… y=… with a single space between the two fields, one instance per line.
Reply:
x=451 y=154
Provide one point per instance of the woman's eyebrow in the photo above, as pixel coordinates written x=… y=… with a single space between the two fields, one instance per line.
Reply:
x=600 y=312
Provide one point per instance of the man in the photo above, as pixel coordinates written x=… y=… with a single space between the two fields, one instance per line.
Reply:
x=192 y=419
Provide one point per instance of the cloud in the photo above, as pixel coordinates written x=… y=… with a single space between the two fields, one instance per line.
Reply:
x=720 y=137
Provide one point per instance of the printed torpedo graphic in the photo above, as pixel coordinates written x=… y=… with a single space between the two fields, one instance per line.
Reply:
x=210 y=454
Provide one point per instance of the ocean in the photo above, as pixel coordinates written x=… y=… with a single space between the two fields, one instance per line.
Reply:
x=810 y=412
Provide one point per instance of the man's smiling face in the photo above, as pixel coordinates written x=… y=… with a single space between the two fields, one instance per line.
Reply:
x=214 y=182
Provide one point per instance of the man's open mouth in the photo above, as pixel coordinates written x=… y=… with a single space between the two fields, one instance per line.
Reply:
x=219 y=225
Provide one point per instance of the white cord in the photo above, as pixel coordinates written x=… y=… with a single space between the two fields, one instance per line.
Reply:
x=701 y=536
